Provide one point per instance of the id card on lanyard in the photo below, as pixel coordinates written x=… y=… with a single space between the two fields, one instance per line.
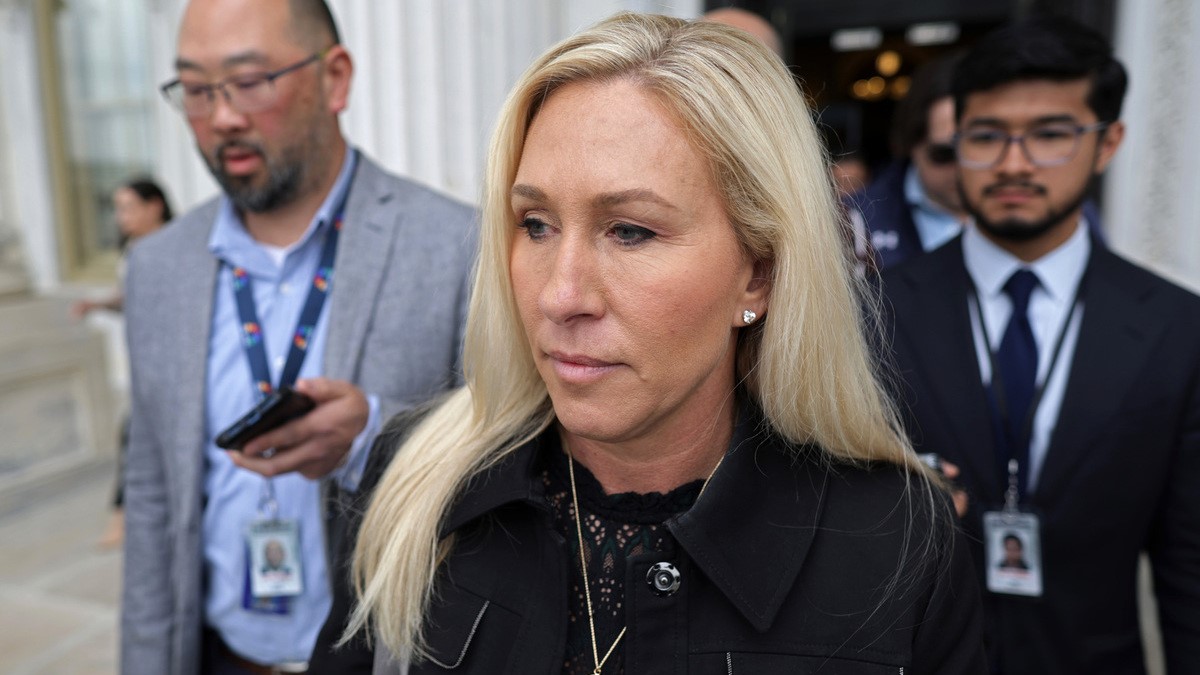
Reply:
x=274 y=567
x=1012 y=536
x=1013 y=546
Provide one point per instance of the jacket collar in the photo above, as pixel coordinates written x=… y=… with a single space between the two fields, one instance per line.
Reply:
x=751 y=529
x=366 y=254
x=514 y=479
x=763 y=503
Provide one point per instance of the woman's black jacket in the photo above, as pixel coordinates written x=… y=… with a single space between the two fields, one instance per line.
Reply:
x=789 y=563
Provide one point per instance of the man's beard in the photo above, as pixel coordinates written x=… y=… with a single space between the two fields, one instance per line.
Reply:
x=285 y=177
x=1017 y=229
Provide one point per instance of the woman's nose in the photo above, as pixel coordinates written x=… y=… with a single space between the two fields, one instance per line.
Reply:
x=573 y=283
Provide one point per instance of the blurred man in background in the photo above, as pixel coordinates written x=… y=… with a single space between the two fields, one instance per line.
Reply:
x=913 y=205
x=313 y=269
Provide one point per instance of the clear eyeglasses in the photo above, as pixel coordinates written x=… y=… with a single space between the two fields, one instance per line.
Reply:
x=1043 y=145
x=247 y=93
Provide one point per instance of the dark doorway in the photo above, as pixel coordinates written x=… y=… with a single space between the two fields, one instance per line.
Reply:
x=854 y=57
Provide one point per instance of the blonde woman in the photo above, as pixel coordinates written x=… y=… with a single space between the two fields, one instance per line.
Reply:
x=672 y=454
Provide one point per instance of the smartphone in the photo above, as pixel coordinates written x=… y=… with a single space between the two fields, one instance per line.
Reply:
x=280 y=406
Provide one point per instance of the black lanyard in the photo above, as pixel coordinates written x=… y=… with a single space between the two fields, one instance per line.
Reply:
x=999 y=400
x=252 y=336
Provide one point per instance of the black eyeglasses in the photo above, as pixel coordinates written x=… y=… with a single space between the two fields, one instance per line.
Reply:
x=247 y=94
x=1043 y=145
x=941 y=153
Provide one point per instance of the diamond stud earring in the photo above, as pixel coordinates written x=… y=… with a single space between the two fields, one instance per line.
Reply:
x=749 y=316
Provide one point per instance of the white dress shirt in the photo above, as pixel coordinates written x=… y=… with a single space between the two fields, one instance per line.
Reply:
x=1059 y=272
x=281 y=281
x=935 y=225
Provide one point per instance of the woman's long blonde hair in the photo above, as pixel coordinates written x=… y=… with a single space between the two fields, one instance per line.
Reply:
x=807 y=365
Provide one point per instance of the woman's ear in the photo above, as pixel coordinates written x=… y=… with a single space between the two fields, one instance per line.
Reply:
x=757 y=294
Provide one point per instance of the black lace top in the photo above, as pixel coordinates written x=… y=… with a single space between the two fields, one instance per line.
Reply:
x=615 y=527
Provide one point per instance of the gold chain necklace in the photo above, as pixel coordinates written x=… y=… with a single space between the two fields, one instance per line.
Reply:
x=587 y=592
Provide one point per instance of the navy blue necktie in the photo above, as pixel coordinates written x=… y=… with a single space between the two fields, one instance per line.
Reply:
x=1017 y=361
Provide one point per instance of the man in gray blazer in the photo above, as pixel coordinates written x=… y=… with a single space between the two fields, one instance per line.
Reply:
x=314 y=267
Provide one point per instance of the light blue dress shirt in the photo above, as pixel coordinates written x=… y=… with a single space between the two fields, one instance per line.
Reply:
x=233 y=494
x=935 y=225
x=1060 y=273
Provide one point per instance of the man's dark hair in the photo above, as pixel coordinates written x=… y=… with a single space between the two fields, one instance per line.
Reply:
x=1044 y=48
x=1013 y=537
x=313 y=21
x=930 y=82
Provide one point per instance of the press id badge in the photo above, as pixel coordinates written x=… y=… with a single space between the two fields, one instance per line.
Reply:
x=274 y=558
x=1013 y=552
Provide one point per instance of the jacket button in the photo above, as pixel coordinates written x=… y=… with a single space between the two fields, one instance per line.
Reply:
x=663 y=579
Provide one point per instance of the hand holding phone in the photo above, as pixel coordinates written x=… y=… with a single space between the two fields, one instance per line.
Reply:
x=317 y=443
x=950 y=472
x=277 y=408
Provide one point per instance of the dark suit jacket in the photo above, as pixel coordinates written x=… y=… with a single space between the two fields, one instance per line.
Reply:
x=355 y=657
x=785 y=565
x=1121 y=475
x=888 y=217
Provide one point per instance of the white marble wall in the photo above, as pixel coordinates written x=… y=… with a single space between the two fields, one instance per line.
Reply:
x=13 y=276
x=1153 y=187
x=431 y=75
x=24 y=165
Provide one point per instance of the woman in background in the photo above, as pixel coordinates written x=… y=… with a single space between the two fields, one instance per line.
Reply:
x=141 y=208
x=672 y=453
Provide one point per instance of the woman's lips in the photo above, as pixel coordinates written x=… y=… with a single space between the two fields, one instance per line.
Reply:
x=579 y=369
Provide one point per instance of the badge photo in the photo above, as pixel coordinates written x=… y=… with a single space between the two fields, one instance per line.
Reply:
x=1013 y=553
x=274 y=559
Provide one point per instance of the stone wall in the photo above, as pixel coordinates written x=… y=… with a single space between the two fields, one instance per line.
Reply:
x=56 y=404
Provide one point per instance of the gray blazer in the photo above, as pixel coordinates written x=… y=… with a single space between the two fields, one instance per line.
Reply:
x=397 y=312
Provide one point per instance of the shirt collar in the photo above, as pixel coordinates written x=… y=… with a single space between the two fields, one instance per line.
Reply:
x=935 y=225
x=914 y=192
x=1059 y=271
x=231 y=242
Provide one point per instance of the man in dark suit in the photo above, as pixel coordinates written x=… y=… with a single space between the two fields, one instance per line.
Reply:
x=913 y=205
x=1063 y=380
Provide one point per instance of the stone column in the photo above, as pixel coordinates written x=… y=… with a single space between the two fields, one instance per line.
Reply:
x=14 y=277
x=1153 y=187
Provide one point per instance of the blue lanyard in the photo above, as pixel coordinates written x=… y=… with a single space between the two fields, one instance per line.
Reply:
x=252 y=336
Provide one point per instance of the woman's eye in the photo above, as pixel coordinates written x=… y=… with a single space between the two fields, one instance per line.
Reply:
x=631 y=235
x=534 y=228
